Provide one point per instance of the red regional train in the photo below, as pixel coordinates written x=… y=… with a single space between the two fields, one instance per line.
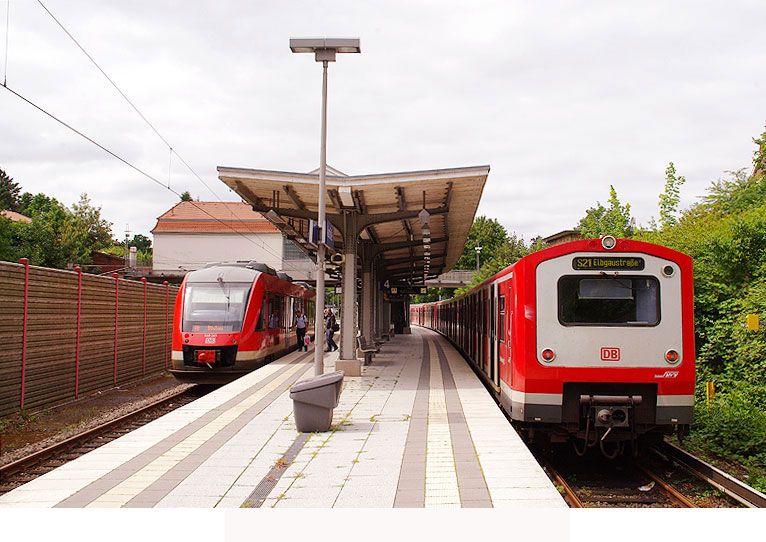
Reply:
x=590 y=341
x=231 y=318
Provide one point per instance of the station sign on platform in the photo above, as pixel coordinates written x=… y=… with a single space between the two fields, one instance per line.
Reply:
x=402 y=289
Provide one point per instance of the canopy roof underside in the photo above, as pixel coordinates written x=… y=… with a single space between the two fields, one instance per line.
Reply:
x=385 y=208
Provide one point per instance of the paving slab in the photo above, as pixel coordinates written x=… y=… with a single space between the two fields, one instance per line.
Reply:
x=416 y=430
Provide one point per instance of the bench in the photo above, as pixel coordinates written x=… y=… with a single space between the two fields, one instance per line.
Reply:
x=367 y=349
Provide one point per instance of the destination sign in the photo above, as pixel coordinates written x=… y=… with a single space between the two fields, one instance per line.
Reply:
x=410 y=290
x=613 y=263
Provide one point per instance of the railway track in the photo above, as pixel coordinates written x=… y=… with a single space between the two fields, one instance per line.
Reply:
x=647 y=483
x=36 y=464
x=735 y=489
x=635 y=488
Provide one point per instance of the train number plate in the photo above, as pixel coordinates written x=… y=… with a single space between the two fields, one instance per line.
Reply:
x=610 y=354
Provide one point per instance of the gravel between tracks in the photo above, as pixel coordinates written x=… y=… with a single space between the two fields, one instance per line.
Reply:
x=23 y=435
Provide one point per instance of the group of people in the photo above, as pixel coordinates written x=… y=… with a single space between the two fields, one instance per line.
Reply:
x=331 y=326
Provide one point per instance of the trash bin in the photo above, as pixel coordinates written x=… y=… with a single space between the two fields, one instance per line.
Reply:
x=314 y=400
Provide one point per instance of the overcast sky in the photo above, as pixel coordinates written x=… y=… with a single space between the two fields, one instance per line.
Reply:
x=561 y=99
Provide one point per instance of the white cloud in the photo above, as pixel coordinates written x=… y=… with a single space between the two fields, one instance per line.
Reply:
x=561 y=99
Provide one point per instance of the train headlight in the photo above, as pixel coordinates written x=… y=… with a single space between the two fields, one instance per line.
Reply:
x=672 y=357
x=608 y=242
x=548 y=355
x=668 y=270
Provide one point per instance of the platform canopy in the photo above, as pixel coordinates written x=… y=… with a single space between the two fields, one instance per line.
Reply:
x=386 y=210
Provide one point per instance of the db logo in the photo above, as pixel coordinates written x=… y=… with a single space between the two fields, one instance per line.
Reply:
x=610 y=354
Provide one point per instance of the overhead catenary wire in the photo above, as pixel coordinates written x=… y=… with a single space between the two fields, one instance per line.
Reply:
x=135 y=108
x=140 y=171
x=143 y=117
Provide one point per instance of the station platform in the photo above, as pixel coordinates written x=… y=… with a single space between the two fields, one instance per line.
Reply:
x=416 y=430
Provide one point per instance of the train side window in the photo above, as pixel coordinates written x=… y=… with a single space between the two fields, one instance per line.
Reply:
x=272 y=312
x=501 y=317
x=609 y=300
x=260 y=324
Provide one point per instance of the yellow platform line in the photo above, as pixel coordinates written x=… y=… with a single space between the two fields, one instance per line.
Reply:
x=120 y=494
x=441 y=474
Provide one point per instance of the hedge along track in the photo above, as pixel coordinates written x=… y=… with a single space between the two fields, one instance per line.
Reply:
x=36 y=464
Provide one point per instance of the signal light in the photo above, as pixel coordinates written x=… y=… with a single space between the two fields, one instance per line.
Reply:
x=608 y=242
x=548 y=355
x=671 y=356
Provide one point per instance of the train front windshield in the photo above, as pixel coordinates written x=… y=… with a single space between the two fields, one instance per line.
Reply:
x=609 y=300
x=215 y=307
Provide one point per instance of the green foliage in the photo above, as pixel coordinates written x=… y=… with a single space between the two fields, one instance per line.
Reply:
x=613 y=220
x=56 y=236
x=725 y=234
x=9 y=193
x=737 y=193
x=506 y=254
x=186 y=196
x=434 y=294
x=487 y=233
x=733 y=426
x=671 y=197
x=142 y=243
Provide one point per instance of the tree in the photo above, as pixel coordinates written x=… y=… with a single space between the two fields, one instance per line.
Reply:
x=487 y=233
x=508 y=253
x=98 y=232
x=142 y=243
x=613 y=220
x=186 y=196
x=671 y=197
x=9 y=193
x=56 y=236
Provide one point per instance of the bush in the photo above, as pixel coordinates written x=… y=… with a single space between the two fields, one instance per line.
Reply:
x=733 y=426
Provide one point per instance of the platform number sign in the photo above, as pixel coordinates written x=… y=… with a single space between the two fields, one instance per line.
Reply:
x=385 y=285
x=610 y=354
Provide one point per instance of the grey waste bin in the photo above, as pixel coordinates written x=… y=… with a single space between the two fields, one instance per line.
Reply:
x=314 y=400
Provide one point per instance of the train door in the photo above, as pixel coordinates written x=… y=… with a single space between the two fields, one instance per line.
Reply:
x=289 y=317
x=492 y=331
x=503 y=343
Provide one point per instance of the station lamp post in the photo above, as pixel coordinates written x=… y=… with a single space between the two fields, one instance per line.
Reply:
x=477 y=248
x=324 y=50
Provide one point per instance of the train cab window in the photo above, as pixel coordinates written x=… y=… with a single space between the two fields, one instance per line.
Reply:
x=215 y=306
x=609 y=300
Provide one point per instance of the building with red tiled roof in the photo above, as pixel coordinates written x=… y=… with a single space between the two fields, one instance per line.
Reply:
x=16 y=217
x=194 y=233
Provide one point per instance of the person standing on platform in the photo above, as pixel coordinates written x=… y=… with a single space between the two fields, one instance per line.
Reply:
x=330 y=325
x=300 y=330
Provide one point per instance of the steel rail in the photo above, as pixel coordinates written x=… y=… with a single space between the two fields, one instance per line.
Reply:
x=570 y=495
x=38 y=457
x=667 y=488
x=737 y=490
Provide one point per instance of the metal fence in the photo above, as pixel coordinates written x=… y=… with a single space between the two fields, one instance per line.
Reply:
x=65 y=333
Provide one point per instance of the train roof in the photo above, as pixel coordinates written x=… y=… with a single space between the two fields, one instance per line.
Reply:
x=582 y=245
x=228 y=273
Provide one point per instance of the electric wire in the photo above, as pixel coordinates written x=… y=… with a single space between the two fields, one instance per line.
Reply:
x=142 y=172
x=143 y=117
x=93 y=61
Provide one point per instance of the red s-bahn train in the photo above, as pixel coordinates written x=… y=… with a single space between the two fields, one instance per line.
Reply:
x=231 y=318
x=590 y=341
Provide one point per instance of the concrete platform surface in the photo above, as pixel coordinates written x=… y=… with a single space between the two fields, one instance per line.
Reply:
x=416 y=430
